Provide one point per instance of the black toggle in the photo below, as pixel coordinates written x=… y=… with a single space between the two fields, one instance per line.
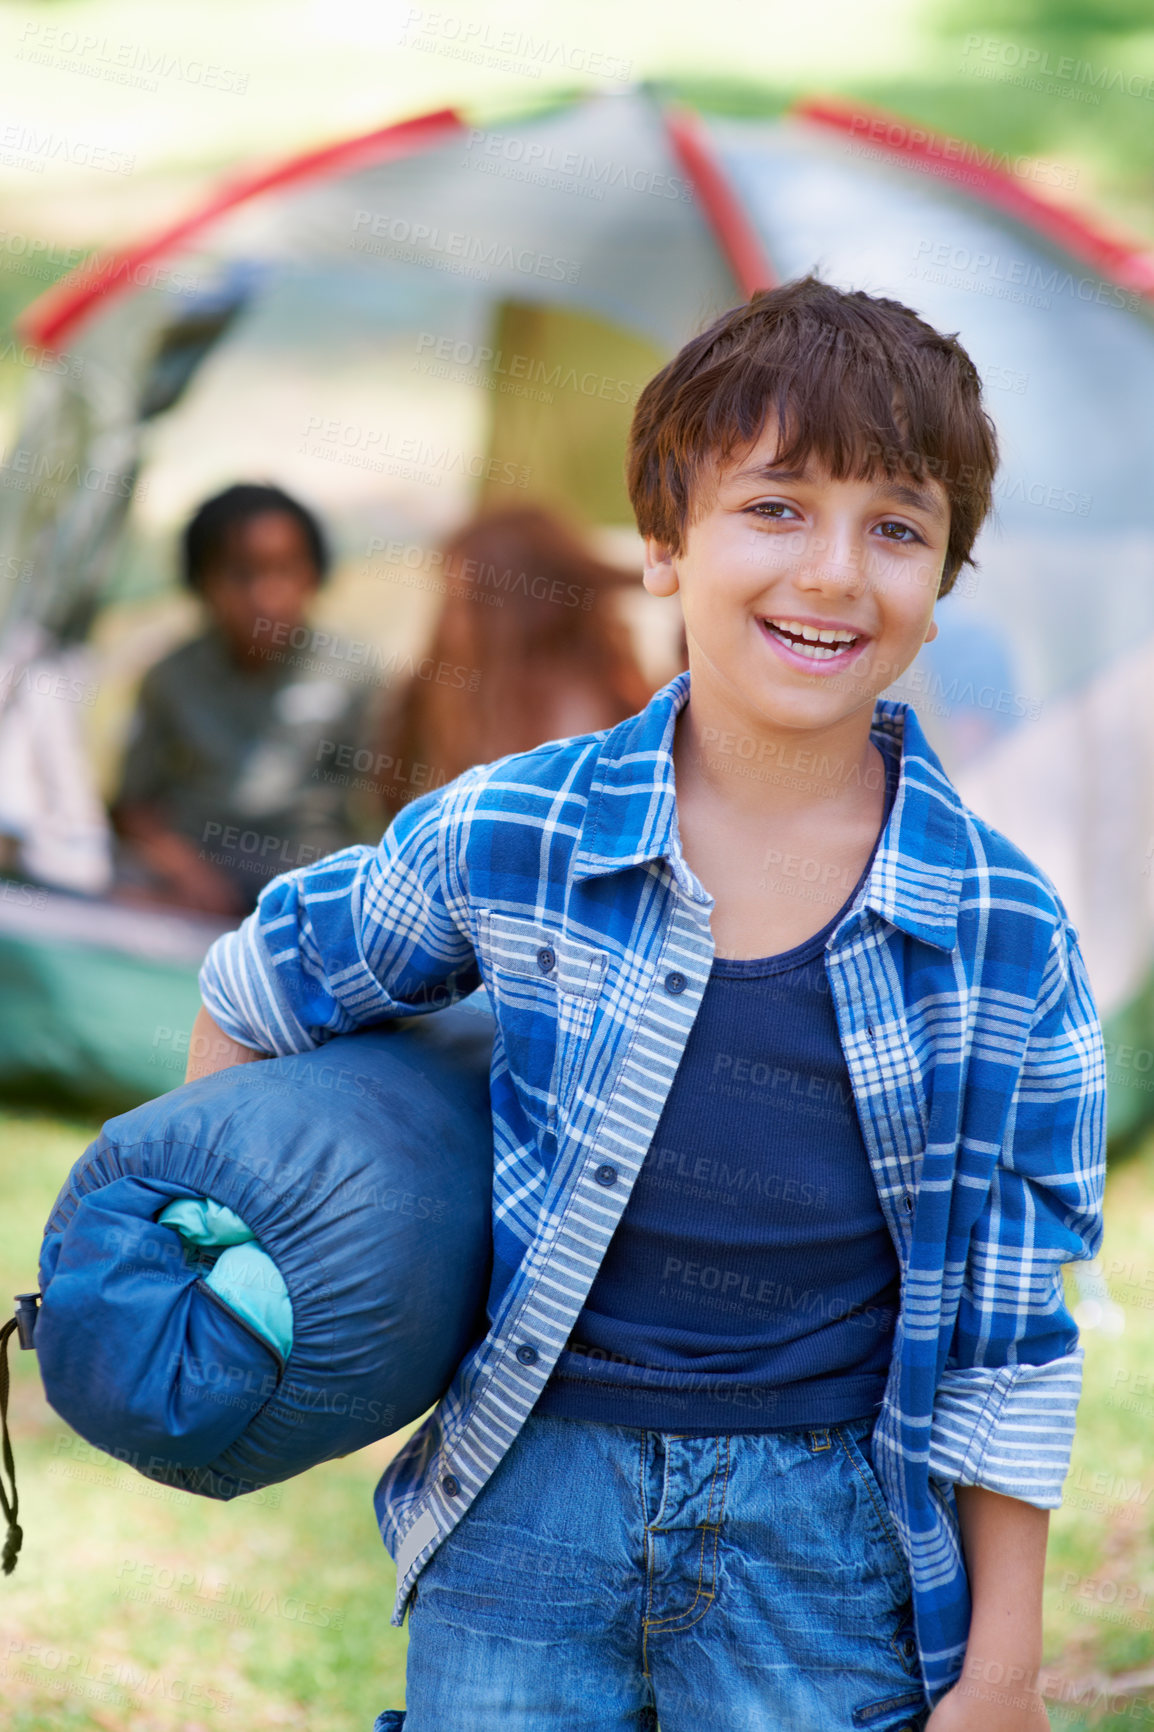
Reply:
x=27 y=1311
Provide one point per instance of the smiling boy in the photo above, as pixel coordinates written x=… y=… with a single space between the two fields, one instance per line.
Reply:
x=779 y=1385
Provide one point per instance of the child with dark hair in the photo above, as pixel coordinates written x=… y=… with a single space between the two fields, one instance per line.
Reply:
x=218 y=790
x=798 y=1108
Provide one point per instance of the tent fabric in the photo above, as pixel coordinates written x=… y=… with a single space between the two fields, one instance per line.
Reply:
x=359 y=280
x=364 y=1171
x=48 y=800
x=99 y=1000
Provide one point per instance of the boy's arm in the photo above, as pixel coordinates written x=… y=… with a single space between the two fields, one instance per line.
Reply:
x=366 y=934
x=210 y=1049
x=1005 y=1545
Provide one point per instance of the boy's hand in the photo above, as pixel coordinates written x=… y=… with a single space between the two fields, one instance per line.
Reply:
x=210 y=1049
x=975 y=1706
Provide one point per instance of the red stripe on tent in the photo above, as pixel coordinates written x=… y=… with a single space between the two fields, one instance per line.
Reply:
x=736 y=235
x=1123 y=261
x=56 y=313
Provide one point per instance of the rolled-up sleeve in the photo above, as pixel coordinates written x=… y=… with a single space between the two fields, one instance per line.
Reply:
x=366 y=934
x=1006 y=1401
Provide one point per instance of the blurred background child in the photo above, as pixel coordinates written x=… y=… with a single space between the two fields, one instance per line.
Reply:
x=530 y=613
x=218 y=792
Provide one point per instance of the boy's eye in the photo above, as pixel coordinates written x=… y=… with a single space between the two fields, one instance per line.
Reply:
x=903 y=531
x=773 y=508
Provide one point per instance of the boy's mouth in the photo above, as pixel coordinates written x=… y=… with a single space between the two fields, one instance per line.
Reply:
x=815 y=643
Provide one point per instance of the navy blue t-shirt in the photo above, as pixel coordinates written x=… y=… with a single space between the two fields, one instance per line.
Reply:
x=751 y=1282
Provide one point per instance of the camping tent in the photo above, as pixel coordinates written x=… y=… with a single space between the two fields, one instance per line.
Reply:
x=436 y=312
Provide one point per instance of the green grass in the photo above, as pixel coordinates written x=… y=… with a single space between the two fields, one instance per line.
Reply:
x=135 y=1608
x=1102 y=1623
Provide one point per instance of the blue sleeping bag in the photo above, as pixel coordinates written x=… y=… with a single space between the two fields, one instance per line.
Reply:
x=277 y=1264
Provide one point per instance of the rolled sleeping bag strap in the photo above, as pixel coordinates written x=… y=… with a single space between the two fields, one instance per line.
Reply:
x=23 y=1324
x=14 y=1537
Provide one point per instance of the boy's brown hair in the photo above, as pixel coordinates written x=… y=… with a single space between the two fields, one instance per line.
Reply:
x=860 y=383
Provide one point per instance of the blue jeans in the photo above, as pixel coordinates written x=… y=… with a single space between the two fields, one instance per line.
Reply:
x=612 y=1579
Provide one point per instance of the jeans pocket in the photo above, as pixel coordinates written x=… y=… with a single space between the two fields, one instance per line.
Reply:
x=863 y=1466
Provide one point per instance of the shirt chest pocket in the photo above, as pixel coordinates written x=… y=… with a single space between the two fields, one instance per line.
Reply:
x=545 y=987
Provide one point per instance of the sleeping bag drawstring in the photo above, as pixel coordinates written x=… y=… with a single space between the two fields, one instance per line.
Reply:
x=11 y=1509
x=24 y=1323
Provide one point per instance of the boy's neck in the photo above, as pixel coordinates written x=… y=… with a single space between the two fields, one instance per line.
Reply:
x=757 y=771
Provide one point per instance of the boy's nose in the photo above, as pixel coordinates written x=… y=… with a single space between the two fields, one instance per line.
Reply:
x=833 y=566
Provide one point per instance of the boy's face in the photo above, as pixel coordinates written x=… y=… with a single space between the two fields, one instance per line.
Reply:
x=773 y=556
x=265 y=572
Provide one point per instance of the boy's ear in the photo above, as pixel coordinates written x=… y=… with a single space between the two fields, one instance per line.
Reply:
x=660 y=573
x=932 y=633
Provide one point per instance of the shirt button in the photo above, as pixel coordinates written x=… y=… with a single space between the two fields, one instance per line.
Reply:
x=451 y=1485
x=908 y=1204
x=675 y=983
x=546 y=959
x=606 y=1175
x=526 y=1354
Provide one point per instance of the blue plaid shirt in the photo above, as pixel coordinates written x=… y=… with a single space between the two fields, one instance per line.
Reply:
x=556 y=878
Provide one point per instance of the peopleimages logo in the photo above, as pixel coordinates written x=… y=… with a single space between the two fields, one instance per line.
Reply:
x=536 y=161
x=79 y=1674
x=26 y=147
x=32 y=471
x=380 y=233
x=1033 y=282
x=437 y=31
x=360 y=445
x=473 y=361
x=957 y=155
x=469 y=579
x=138 y=64
x=1033 y=64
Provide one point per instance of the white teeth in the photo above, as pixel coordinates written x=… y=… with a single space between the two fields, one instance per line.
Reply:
x=811 y=641
x=813 y=633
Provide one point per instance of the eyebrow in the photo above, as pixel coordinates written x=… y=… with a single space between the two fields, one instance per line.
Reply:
x=919 y=498
x=769 y=472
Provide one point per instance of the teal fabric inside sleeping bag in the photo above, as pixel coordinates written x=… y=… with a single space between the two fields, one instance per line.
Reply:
x=243 y=1276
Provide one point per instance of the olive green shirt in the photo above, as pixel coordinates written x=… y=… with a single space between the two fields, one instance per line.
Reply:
x=239 y=759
